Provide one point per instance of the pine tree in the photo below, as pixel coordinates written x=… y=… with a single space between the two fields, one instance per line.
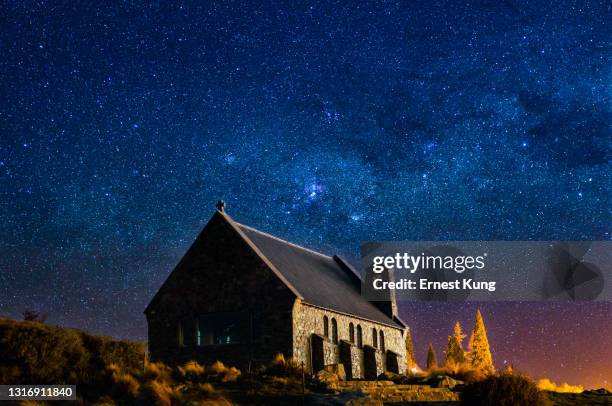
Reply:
x=481 y=353
x=454 y=352
x=410 y=359
x=459 y=333
x=431 y=358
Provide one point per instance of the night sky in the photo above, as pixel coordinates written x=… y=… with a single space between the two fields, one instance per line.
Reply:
x=324 y=123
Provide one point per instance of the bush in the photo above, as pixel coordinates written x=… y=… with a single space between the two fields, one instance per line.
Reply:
x=504 y=390
x=157 y=371
x=159 y=393
x=125 y=386
x=218 y=372
x=191 y=371
x=231 y=375
x=217 y=368
x=34 y=352
x=281 y=367
x=461 y=372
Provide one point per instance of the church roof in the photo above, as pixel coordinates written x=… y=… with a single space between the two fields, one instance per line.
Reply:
x=319 y=280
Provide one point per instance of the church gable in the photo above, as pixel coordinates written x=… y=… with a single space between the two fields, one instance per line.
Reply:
x=219 y=271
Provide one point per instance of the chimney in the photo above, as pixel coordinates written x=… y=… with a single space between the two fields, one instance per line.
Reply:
x=220 y=206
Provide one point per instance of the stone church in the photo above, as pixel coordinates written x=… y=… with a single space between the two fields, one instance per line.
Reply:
x=241 y=296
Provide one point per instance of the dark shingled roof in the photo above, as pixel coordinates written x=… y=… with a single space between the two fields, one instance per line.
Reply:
x=320 y=280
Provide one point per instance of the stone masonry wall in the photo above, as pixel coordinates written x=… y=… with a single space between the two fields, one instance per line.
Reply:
x=308 y=320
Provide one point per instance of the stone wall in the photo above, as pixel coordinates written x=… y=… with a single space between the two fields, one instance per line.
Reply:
x=308 y=320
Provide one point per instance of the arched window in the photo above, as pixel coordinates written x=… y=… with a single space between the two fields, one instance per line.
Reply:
x=382 y=341
x=359 y=336
x=351 y=333
x=325 y=326
x=374 y=338
x=334 y=331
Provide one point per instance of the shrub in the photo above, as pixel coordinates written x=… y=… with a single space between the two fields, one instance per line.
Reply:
x=159 y=393
x=218 y=372
x=548 y=385
x=462 y=372
x=105 y=401
x=157 y=371
x=128 y=355
x=125 y=386
x=282 y=367
x=42 y=354
x=207 y=389
x=217 y=368
x=231 y=375
x=35 y=352
x=504 y=390
x=191 y=371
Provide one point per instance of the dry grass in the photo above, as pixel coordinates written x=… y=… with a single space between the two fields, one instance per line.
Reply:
x=157 y=371
x=231 y=375
x=460 y=372
x=160 y=393
x=125 y=385
x=217 y=368
x=548 y=385
x=282 y=367
x=207 y=389
x=191 y=371
x=105 y=401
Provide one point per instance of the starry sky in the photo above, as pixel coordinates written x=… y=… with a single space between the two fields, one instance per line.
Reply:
x=326 y=123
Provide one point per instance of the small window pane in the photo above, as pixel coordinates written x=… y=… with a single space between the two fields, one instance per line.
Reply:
x=219 y=328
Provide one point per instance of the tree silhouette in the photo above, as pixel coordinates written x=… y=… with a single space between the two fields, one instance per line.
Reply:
x=431 y=358
x=481 y=353
x=454 y=352
x=459 y=333
x=410 y=359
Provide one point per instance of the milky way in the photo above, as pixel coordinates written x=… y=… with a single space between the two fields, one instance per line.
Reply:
x=324 y=123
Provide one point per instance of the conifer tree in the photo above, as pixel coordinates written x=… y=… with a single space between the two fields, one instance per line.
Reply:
x=454 y=352
x=481 y=353
x=410 y=359
x=459 y=333
x=431 y=358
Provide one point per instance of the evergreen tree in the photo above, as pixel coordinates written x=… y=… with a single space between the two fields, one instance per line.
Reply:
x=481 y=353
x=410 y=359
x=459 y=333
x=431 y=358
x=454 y=352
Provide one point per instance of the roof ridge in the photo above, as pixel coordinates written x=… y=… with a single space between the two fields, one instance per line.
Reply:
x=284 y=241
